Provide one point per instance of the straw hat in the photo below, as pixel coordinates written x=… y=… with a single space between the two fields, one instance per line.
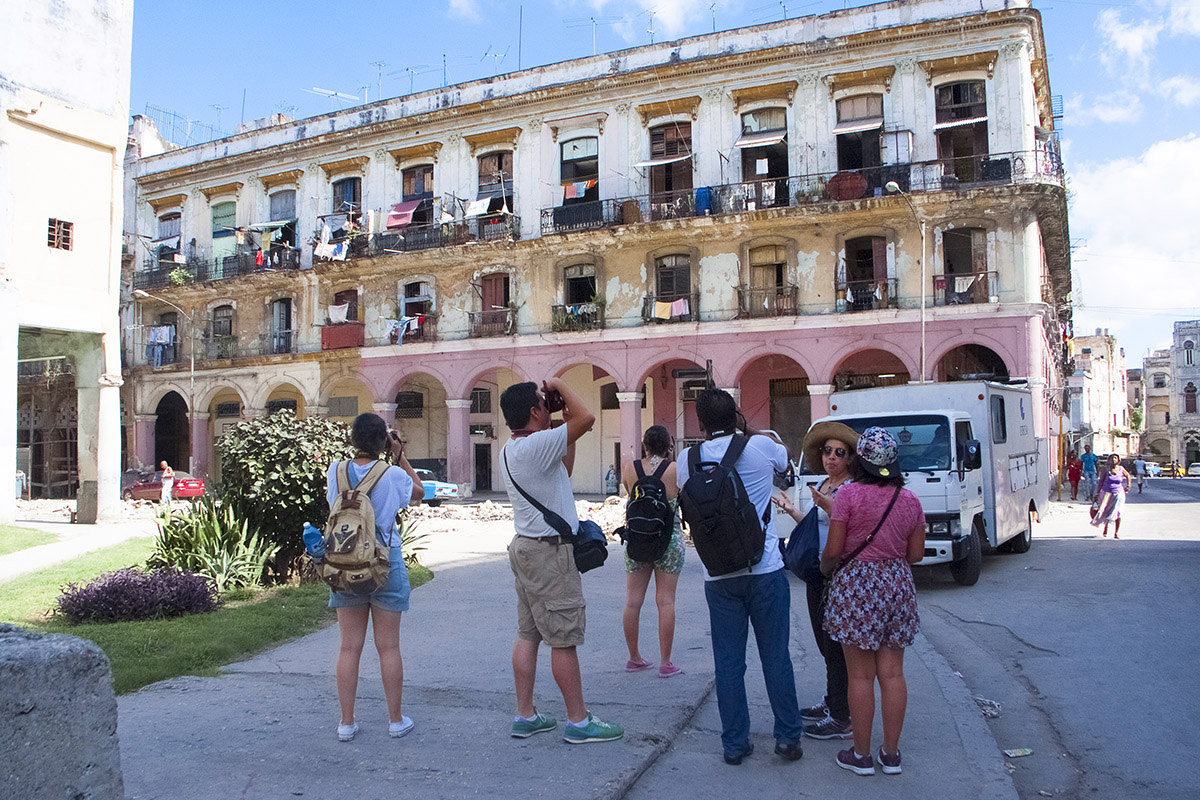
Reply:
x=822 y=432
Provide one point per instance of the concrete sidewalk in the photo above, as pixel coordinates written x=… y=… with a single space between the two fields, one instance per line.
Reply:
x=73 y=540
x=266 y=728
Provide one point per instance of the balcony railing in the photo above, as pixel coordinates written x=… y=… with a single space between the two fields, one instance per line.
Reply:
x=159 y=274
x=772 y=301
x=962 y=288
x=276 y=343
x=582 y=216
x=672 y=308
x=499 y=322
x=485 y=228
x=866 y=295
x=422 y=329
x=577 y=317
x=220 y=347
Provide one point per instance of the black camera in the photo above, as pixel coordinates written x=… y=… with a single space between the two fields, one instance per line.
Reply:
x=554 y=400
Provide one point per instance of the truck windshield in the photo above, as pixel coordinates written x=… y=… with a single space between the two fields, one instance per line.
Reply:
x=924 y=439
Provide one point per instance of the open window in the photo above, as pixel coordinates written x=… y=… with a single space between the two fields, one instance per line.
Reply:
x=344 y=307
x=224 y=235
x=859 y=123
x=961 y=125
x=169 y=350
x=579 y=170
x=866 y=285
x=283 y=210
x=1189 y=353
x=417 y=187
x=670 y=163
x=416 y=311
x=281 y=326
x=966 y=278
x=496 y=181
x=763 y=145
x=347 y=196
x=166 y=243
x=579 y=284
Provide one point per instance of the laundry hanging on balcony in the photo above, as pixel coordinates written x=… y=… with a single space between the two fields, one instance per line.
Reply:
x=339 y=252
x=577 y=189
x=662 y=310
x=679 y=308
x=401 y=214
x=478 y=207
x=337 y=314
x=582 y=308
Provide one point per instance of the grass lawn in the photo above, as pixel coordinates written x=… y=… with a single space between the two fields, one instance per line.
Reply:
x=13 y=539
x=197 y=644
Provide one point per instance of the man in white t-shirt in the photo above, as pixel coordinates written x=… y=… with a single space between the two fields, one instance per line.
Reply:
x=1139 y=467
x=550 y=605
x=758 y=596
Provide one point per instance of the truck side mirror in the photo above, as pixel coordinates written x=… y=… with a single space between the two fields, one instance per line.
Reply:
x=970 y=455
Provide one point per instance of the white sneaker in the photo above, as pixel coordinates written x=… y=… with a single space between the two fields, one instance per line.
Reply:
x=346 y=732
x=401 y=728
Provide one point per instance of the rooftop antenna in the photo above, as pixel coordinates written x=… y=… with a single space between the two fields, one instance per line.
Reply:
x=219 y=109
x=379 y=65
x=713 y=10
x=650 y=30
x=496 y=58
x=413 y=71
x=332 y=95
x=579 y=22
x=783 y=5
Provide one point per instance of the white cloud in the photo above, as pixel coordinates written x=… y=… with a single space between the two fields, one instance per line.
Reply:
x=1134 y=41
x=1184 y=16
x=1118 y=106
x=468 y=9
x=1137 y=216
x=1182 y=89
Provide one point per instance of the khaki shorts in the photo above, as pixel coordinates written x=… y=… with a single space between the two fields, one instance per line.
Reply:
x=550 y=605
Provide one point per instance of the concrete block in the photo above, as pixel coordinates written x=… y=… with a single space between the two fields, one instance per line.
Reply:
x=58 y=718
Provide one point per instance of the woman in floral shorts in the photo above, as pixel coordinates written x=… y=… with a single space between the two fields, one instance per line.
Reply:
x=872 y=607
x=656 y=448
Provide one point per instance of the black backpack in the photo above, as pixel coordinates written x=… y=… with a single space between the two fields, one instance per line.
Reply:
x=726 y=530
x=649 y=519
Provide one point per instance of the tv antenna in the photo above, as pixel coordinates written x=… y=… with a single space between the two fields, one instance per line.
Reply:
x=650 y=28
x=496 y=58
x=379 y=65
x=414 y=70
x=579 y=22
x=713 y=10
x=332 y=95
x=219 y=109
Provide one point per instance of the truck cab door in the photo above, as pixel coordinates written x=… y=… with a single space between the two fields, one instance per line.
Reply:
x=970 y=481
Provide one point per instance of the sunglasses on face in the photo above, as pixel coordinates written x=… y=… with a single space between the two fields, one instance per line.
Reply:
x=840 y=452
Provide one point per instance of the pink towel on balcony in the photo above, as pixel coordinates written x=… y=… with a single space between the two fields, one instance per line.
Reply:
x=680 y=308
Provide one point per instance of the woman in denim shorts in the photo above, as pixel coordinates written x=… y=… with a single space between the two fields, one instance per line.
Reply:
x=398 y=487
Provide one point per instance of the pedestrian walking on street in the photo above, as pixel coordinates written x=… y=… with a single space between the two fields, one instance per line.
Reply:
x=395 y=488
x=829 y=446
x=1139 y=467
x=168 y=483
x=550 y=607
x=876 y=531
x=1074 y=473
x=1088 y=459
x=1112 y=497
x=656 y=448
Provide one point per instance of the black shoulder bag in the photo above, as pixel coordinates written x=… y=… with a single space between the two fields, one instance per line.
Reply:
x=591 y=548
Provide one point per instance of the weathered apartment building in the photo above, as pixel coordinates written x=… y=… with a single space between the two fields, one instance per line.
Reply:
x=866 y=197
x=1172 y=379
x=1099 y=396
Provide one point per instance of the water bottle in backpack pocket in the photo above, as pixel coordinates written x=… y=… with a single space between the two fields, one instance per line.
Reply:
x=354 y=561
x=649 y=518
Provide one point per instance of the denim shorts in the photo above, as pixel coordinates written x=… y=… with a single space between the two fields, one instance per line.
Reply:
x=392 y=596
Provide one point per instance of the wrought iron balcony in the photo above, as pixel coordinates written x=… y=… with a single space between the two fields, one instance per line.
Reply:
x=671 y=308
x=577 y=317
x=767 y=301
x=498 y=322
x=421 y=329
x=582 y=216
x=962 y=288
x=219 y=347
x=866 y=295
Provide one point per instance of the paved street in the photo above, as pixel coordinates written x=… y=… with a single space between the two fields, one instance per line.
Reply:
x=1089 y=645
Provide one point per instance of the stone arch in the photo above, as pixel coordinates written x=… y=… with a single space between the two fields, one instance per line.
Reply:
x=855 y=346
x=344 y=386
x=205 y=400
x=774 y=395
x=281 y=389
x=970 y=361
x=156 y=392
x=866 y=367
x=172 y=433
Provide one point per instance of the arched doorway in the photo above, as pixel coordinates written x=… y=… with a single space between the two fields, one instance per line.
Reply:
x=486 y=428
x=172 y=437
x=867 y=369
x=970 y=362
x=774 y=395
x=422 y=419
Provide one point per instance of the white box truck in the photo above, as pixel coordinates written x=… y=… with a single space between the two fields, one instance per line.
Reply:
x=969 y=451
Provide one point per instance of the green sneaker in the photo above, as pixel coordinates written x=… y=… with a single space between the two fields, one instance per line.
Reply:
x=594 y=730
x=524 y=728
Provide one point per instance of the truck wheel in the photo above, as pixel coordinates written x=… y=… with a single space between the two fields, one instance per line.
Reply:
x=965 y=571
x=433 y=503
x=1024 y=540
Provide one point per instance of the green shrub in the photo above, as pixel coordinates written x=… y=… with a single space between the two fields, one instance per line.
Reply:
x=273 y=476
x=210 y=540
x=411 y=542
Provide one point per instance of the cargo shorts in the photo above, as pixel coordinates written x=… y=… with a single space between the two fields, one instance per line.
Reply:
x=550 y=605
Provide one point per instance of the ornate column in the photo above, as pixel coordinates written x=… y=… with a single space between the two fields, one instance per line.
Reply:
x=201 y=439
x=458 y=444
x=143 y=440
x=631 y=425
x=819 y=395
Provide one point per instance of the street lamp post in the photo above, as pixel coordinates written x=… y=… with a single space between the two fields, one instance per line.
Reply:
x=191 y=371
x=894 y=188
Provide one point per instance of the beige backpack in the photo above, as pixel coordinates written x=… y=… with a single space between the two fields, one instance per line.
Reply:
x=355 y=561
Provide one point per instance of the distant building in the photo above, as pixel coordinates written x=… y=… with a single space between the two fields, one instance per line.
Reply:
x=1157 y=440
x=1099 y=404
x=868 y=197
x=64 y=103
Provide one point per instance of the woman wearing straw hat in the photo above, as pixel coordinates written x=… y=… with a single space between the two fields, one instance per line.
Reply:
x=828 y=448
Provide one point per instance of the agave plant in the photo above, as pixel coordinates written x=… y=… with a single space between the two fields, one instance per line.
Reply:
x=211 y=541
x=411 y=542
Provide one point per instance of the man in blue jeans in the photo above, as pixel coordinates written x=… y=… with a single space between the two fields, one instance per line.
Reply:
x=1088 y=459
x=759 y=596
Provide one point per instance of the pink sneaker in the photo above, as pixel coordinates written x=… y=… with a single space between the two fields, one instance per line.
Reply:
x=669 y=670
x=637 y=666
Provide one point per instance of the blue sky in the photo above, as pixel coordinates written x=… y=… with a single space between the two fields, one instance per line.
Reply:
x=1127 y=73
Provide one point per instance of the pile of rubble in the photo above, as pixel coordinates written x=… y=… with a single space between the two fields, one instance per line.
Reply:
x=609 y=514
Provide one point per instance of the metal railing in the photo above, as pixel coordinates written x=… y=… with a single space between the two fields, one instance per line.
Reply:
x=866 y=295
x=218 y=347
x=768 y=301
x=962 y=288
x=577 y=317
x=276 y=343
x=500 y=322
x=582 y=216
x=198 y=270
x=423 y=331
x=671 y=308
x=484 y=228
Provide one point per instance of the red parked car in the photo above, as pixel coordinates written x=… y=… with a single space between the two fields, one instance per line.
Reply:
x=148 y=486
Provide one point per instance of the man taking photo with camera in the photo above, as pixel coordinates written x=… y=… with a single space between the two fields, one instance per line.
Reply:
x=537 y=460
